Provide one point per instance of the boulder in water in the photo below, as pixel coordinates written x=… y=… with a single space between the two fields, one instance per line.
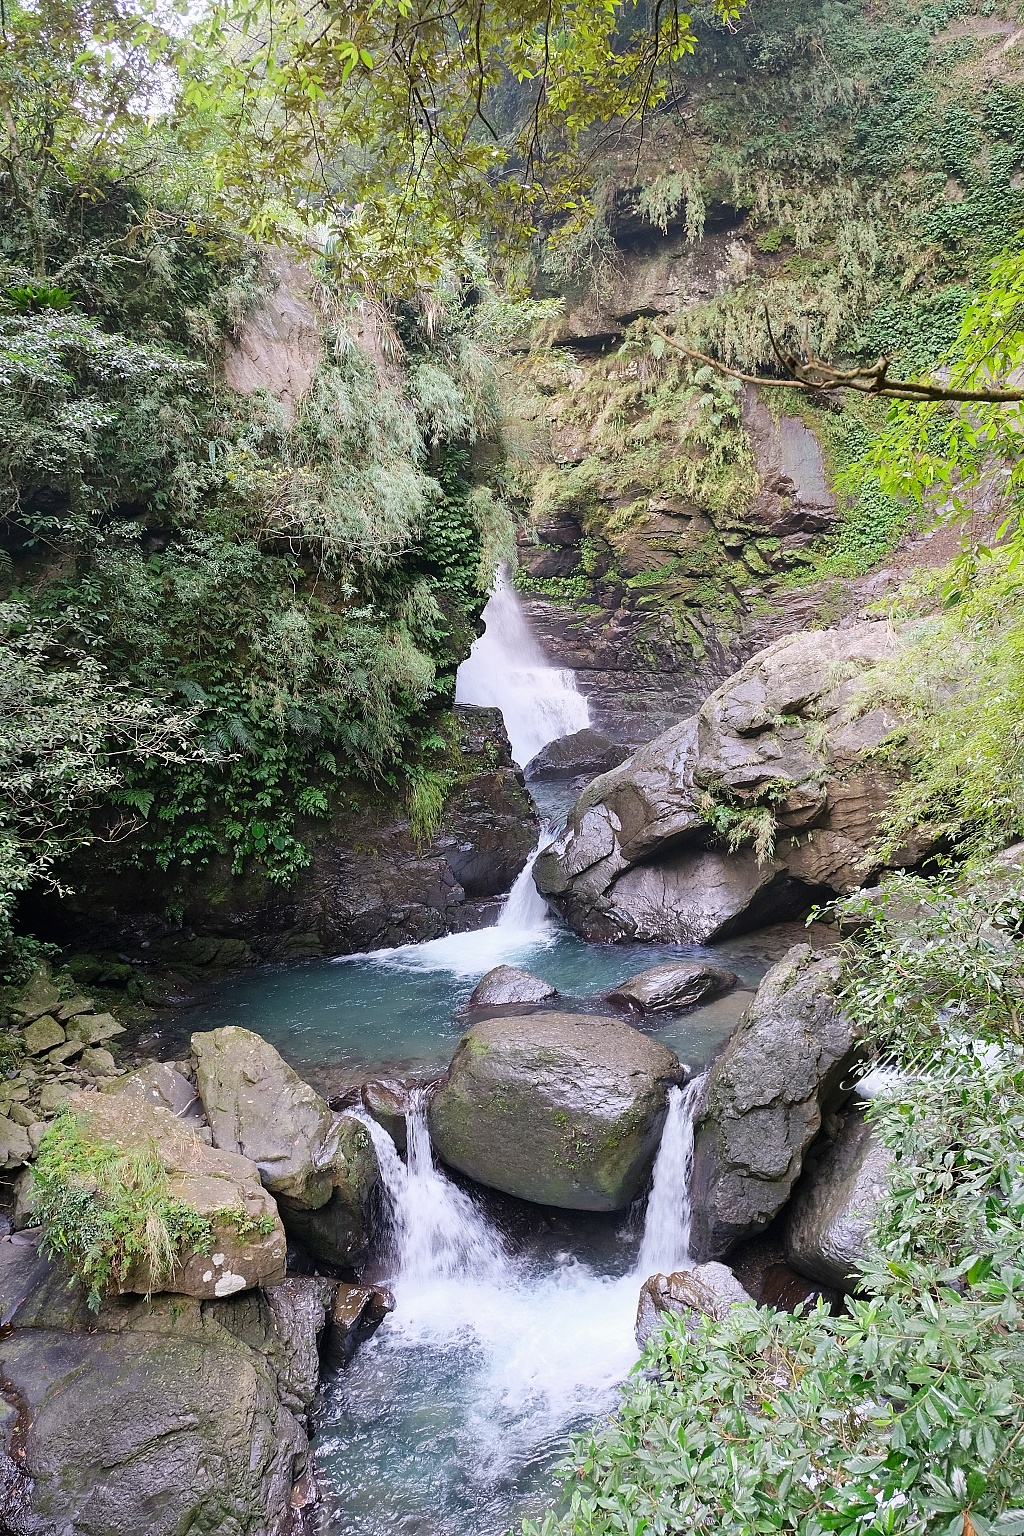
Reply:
x=258 y=1106
x=707 y=1290
x=585 y=753
x=508 y=984
x=558 y=1108
x=675 y=986
x=386 y=1102
x=834 y=1205
x=787 y=1066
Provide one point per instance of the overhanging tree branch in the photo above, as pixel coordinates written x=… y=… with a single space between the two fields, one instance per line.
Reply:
x=815 y=376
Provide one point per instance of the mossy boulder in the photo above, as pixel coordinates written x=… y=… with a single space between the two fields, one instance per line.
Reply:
x=563 y=1109
x=113 y=1171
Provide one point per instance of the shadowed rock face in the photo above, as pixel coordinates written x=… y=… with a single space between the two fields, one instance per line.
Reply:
x=370 y=883
x=156 y=1417
x=788 y=1064
x=563 y=1109
x=829 y=1220
x=784 y=740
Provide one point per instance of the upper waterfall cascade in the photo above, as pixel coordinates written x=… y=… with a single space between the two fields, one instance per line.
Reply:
x=507 y=670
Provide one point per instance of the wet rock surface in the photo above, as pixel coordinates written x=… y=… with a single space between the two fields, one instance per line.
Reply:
x=833 y=1207
x=583 y=754
x=159 y=1416
x=707 y=1290
x=561 y=1109
x=507 y=984
x=787 y=1066
x=672 y=987
x=782 y=743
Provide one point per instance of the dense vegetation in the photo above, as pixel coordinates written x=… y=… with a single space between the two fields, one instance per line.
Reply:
x=791 y=131
x=903 y=1414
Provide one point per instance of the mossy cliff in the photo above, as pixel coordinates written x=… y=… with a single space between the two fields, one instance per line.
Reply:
x=842 y=173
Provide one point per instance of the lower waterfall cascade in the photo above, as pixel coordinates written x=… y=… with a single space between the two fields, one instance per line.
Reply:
x=448 y=1421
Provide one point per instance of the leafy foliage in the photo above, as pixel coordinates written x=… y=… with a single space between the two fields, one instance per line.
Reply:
x=904 y=1414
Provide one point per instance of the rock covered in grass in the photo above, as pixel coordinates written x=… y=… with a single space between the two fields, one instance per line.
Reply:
x=138 y=1203
x=562 y=1109
x=787 y=1064
x=505 y=985
x=672 y=987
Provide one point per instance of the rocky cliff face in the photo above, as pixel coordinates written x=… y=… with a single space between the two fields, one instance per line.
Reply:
x=371 y=881
x=741 y=813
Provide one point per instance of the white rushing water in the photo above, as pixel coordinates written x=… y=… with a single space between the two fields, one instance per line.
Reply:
x=665 y=1247
x=507 y=670
x=525 y=910
x=491 y=1356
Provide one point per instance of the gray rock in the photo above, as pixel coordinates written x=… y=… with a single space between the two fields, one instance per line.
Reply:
x=834 y=1205
x=160 y=1416
x=94 y=1028
x=338 y=1231
x=707 y=1290
x=357 y=1313
x=788 y=1064
x=42 y=1035
x=386 y=1101
x=15 y=1146
x=39 y=995
x=584 y=753
x=506 y=984
x=160 y=1084
x=259 y=1107
x=676 y=985
x=562 y=1109
x=785 y=736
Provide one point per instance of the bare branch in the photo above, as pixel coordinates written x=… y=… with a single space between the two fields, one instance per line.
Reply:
x=816 y=376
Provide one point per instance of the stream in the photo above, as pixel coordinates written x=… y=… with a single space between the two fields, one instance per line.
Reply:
x=514 y=1323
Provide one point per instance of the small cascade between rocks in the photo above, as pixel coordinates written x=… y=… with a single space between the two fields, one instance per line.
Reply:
x=507 y=670
x=665 y=1247
x=525 y=910
x=451 y=1417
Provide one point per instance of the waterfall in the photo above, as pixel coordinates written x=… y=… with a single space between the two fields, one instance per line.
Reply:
x=665 y=1247
x=437 y=1231
x=525 y=910
x=507 y=670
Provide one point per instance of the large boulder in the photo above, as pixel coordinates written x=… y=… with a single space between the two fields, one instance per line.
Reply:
x=505 y=985
x=562 y=1109
x=317 y=1162
x=672 y=987
x=258 y=1106
x=706 y=1290
x=835 y=1204
x=788 y=1064
x=246 y=1246
x=582 y=754
x=776 y=760
x=157 y=1416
